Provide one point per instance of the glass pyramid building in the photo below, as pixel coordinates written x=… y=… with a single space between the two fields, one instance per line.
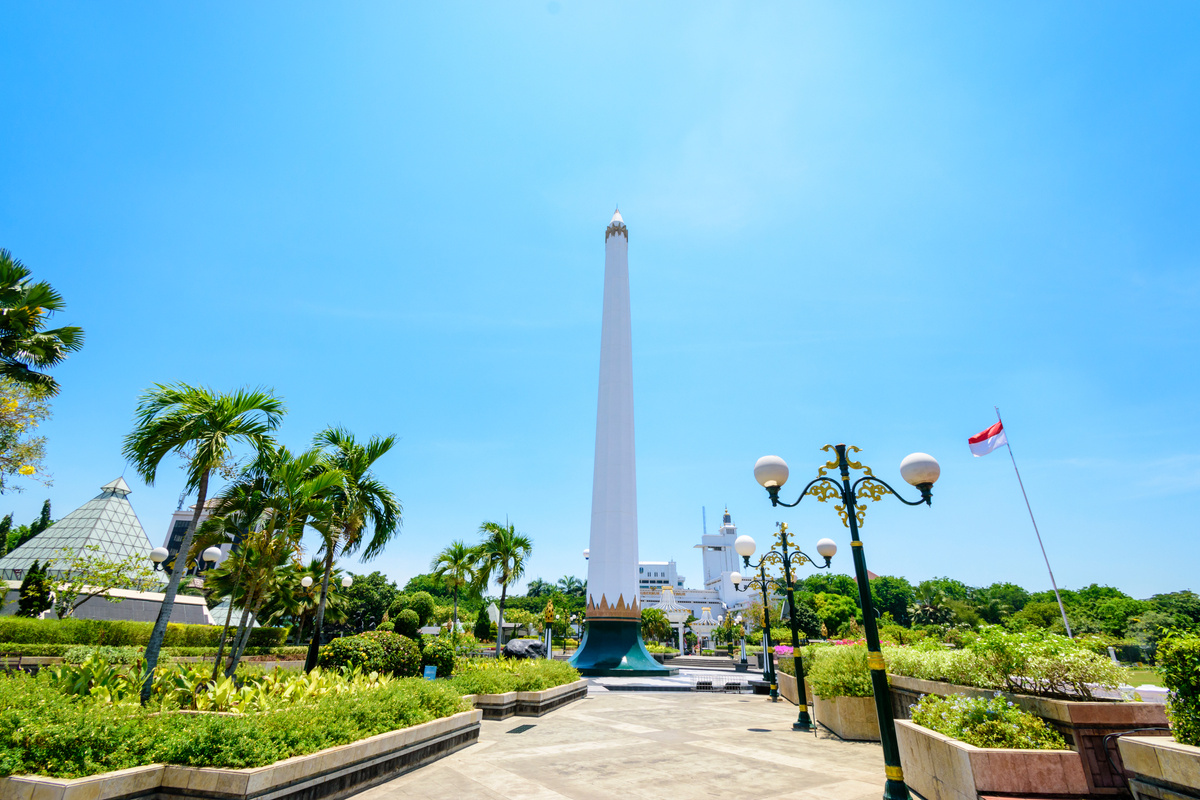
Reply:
x=107 y=521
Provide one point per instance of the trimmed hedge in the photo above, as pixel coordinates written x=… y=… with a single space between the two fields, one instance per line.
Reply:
x=499 y=675
x=1179 y=662
x=122 y=633
x=439 y=653
x=60 y=650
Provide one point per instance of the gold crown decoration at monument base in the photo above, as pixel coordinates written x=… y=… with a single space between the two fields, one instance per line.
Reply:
x=621 y=610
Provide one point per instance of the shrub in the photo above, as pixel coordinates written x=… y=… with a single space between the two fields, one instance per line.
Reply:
x=1179 y=663
x=122 y=633
x=841 y=671
x=422 y=603
x=439 y=653
x=47 y=732
x=499 y=675
x=386 y=625
x=406 y=622
x=79 y=653
x=400 y=655
x=352 y=651
x=986 y=722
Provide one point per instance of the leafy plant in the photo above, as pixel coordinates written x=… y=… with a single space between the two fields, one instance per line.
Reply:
x=984 y=722
x=499 y=675
x=350 y=651
x=406 y=622
x=401 y=656
x=439 y=653
x=1179 y=662
x=840 y=671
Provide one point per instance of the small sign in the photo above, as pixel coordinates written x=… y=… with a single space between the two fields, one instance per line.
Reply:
x=430 y=672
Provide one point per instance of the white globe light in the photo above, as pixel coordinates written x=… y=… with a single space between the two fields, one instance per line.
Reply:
x=736 y=577
x=827 y=548
x=306 y=581
x=159 y=555
x=347 y=581
x=771 y=471
x=920 y=468
x=586 y=552
x=211 y=554
x=744 y=545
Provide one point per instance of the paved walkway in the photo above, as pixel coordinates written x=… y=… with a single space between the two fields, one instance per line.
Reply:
x=636 y=745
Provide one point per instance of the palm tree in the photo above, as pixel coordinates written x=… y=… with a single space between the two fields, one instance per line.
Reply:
x=359 y=501
x=571 y=586
x=25 y=347
x=202 y=425
x=456 y=566
x=501 y=555
x=539 y=588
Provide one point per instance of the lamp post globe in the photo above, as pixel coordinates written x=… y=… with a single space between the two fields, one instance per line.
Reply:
x=586 y=553
x=211 y=554
x=159 y=555
x=744 y=546
x=736 y=577
x=306 y=581
x=827 y=548
x=919 y=468
x=771 y=472
x=347 y=582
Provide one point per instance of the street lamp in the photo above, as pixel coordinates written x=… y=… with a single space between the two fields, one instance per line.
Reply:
x=742 y=627
x=159 y=556
x=745 y=546
x=919 y=469
x=347 y=581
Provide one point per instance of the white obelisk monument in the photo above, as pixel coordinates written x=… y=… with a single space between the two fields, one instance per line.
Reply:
x=613 y=642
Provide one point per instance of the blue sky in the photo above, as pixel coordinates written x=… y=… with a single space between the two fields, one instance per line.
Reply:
x=864 y=223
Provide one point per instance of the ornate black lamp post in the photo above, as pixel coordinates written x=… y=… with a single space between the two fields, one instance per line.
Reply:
x=744 y=545
x=918 y=469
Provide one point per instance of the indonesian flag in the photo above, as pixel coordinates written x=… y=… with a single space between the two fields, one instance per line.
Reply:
x=985 y=442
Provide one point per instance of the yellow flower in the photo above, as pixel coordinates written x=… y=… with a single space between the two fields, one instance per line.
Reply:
x=26 y=470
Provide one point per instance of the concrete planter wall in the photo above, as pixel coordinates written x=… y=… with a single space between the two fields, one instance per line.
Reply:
x=941 y=768
x=1160 y=768
x=787 y=687
x=325 y=775
x=528 y=704
x=852 y=718
x=1083 y=724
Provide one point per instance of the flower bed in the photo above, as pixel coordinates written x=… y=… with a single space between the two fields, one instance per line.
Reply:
x=500 y=675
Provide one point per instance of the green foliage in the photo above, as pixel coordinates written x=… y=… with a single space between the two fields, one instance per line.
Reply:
x=835 y=611
x=840 y=671
x=406 y=622
x=422 y=603
x=985 y=722
x=386 y=625
x=431 y=584
x=824 y=582
x=401 y=655
x=348 y=652
x=655 y=625
x=367 y=600
x=892 y=596
x=90 y=573
x=439 y=652
x=49 y=732
x=484 y=629
x=34 y=596
x=949 y=588
x=1179 y=663
x=77 y=654
x=26 y=344
x=499 y=675
x=60 y=650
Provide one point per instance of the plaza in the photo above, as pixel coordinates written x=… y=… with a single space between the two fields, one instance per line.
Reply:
x=650 y=745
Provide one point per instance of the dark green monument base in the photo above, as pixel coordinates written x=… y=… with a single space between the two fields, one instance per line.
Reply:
x=614 y=648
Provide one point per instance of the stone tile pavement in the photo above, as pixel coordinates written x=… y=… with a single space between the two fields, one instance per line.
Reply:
x=635 y=745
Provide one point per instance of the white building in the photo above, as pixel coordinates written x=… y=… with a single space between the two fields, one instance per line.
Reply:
x=657 y=574
x=720 y=561
x=179 y=525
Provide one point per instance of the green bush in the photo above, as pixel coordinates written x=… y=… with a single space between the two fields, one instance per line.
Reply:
x=79 y=653
x=439 y=653
x=406 y=622
x=499 y=675
x=386 y=625
x=46 y=732
x=401 y=656
x=60 y=650
x=422 y=603
x=122 y=633
x=986 y=723
x=352 y=651
x=1179 y=663
x=841 y=671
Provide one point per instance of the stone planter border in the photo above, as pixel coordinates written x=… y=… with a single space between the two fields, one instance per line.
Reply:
x=325 y=775
x=941 y=768
x=1160 y=768
x=528 y=704
x=1083 y=723
x=851 y=718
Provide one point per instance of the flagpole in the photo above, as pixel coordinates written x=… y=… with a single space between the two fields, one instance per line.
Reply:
x=1020 y=482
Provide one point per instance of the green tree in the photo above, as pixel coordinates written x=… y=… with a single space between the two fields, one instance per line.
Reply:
x=948 y=588
x=81 y=576
x=22 y=409
x=26 y=346
x=808 y=622
x=360 y=501
x=835 y=611
x=538 y=588
x=931 y=605
x=367 y=600
x=502 y=556
x=42 y=522
x=892 y=596
x=1183 y=607
x=203 y=425
x=5 y=528
x=655 y=625
x=571 y=586
x=429 y=582
x=483 y=625
x=34 y=596
x=454 y=568
x=823 y=582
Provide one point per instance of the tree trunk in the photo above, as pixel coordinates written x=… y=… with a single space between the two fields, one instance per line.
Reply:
x=500 y=622
x=240 y=644
x=243 y=625
x=228 y=616
x=314 y=646
x=454 y=624
x=168 y=603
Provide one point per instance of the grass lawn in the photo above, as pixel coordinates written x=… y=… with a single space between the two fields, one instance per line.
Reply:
x=1136 y=677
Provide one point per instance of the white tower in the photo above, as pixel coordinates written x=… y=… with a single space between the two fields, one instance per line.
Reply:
x=613 y=643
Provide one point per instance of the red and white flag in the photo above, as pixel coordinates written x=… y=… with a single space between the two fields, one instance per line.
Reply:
x=986 y=441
